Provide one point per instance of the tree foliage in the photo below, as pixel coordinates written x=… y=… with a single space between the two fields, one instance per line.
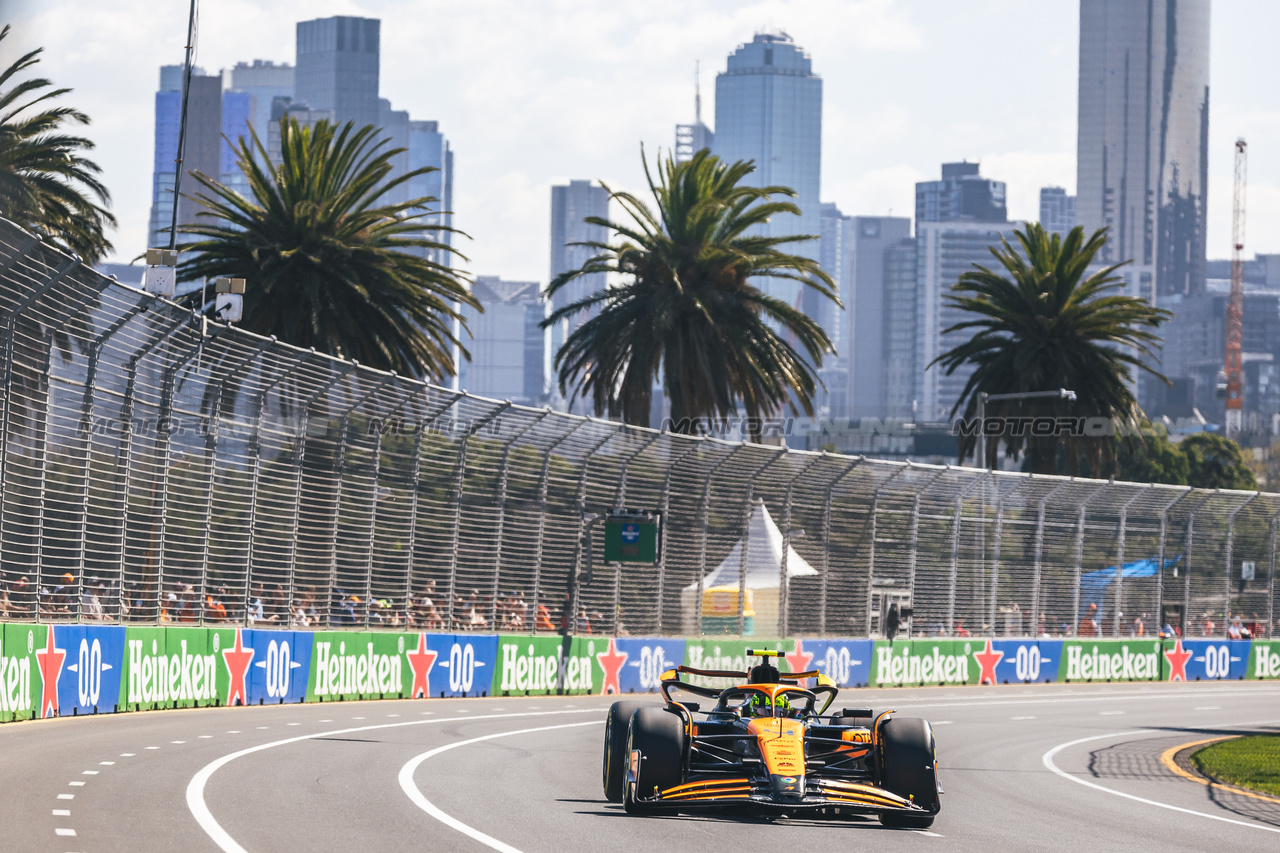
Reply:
x=327 y=263
x=1043 y=322
x=690 y=308
x=46 y=181
x=1204 y=460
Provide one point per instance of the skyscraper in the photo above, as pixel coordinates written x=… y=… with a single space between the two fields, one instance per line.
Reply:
x=507 y=344
x=263 y=81
x=868 y=302
x=1142 y=155
x=962 y=194
x=944 y=251
x=338 y=67
x=769 y=111
x=1057 y=210
x=203 y=145
x=692 y=138
x=570 y=205
x=902 y=375
x=429 y=148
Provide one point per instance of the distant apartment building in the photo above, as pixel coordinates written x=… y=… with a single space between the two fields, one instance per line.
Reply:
x=944 y=251
x=769 y=111
x=337 y=67
x=571 y=204
x=962 y=194
x=202 y=146
x=902 y=383
x=1057 y=210
x=868 y=304
x=507 y=342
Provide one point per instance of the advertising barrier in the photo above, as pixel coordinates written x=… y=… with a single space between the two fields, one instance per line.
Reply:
x=65 y=670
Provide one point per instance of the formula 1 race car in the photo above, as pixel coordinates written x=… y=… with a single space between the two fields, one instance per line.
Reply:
x=764 y=747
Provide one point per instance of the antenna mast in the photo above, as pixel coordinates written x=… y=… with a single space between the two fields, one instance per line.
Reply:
x=697 y=92
x=1235 y=305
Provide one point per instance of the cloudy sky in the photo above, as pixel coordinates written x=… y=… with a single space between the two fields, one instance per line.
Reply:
x=535 y=92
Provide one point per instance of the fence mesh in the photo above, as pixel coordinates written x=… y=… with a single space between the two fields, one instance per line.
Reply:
x=155 y=467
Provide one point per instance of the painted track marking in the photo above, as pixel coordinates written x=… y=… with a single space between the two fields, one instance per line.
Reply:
x=1048 y=761
x=195 y=788
x=1167 y=760
x=415 y=795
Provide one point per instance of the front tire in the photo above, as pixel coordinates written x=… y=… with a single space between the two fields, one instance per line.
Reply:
x=908 y=768
x=658 y=735
x=615 y=747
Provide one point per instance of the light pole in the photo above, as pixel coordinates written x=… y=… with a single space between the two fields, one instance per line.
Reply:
x=984 y=398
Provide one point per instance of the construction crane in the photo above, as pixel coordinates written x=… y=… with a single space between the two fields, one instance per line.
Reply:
x=1235 y=304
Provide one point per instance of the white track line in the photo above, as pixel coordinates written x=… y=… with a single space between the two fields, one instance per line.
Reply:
x=195 y=788
x=1049 y=763
x=416 y=796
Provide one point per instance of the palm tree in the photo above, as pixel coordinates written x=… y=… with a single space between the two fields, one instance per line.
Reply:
x=46 y=182
x=327 y=262
x=1051 y=324
x=689 y=308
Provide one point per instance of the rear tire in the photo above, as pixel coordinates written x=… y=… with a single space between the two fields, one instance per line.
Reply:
x=615 y=747
x=908 y=762
x=658 y=734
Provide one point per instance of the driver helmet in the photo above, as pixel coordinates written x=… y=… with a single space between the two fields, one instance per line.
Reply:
x=758 y=706
x=782 y=705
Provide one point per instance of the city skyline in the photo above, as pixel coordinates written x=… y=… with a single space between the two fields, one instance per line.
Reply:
x=877 y=140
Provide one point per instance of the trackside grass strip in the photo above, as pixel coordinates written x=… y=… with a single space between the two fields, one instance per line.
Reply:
x=1250 y=762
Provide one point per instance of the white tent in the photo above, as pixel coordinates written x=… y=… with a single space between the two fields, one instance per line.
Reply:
x=764 y=557
x=763 y=570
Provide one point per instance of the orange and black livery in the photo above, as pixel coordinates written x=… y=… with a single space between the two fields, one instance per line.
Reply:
x=767 y=744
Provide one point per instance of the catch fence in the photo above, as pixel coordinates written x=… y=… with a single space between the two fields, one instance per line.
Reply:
x=156 y=467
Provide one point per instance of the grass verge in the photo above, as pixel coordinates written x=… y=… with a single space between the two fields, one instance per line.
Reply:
x=1251 y=762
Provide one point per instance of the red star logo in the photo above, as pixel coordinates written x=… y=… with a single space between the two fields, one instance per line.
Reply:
x=798 y=661
x=421 y=661
x=611 y=661
x=987 y=660
x=1178 y=661
x=237 y=660
x=50 y=659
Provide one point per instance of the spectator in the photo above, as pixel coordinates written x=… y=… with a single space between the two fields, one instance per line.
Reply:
x=22 y=599
x=961 y=630
x=1208 y=628
x=1237 y=631
x=1138 y=628
x=257 y=612
x=1089 y=622
x=543 y=621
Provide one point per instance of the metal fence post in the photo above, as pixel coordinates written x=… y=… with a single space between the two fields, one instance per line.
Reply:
x=125 y=454
x=995 y=559
x=1164 y=520
x=502 y=511
x=1124 y=523
x=915 y=539
x=459 y=481
x=211 y=454
x=954 y=578
x=1231 y=538
x=1271 y=582
x=1075 y=596
x=826 y=542
x=704 y=510
x=580 y=501
x=540 y=539
x=1039 y=561
x=299 y=451
x=164 y=429
x=253 y=450
x=415 y=473
x=784 y=578
x=747 y=511
x=665 y=509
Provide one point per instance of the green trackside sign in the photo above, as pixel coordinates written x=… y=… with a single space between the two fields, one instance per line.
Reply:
x=1110 y=660
x=631 y=538
x=925 y=662
x=359 y=666
x=536 y=665
x=730 y=655
x=21 y=685
x=1264 y=659
x=173 y=667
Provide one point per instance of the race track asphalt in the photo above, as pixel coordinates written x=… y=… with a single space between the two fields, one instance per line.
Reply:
x=449 y=775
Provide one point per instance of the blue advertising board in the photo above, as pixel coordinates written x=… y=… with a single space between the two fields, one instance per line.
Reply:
x=635 y=664
x=280 y=665
x=89 y=679
x=845 y=662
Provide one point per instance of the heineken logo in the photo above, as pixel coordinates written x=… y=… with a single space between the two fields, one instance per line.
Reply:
x=339 y=672
x=532 y=671
x=1267 y=663
x=932 y=667
x=158 y=677
x=15 y=679
x=700 y=659
x=1124 y=665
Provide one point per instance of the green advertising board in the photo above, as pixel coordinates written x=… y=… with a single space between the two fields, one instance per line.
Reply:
x=1264 y=659
x=728 y=655
x=359 y=666
x=917 y=662
x=631 y=538
x=20 y=681
x=543 y=665
x=1111 y=660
